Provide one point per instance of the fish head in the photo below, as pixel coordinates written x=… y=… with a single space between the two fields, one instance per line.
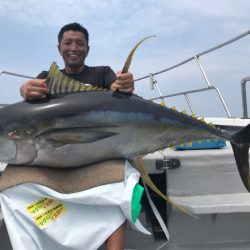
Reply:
x=15 y=150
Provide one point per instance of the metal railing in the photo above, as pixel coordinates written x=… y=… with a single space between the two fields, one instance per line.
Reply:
x=3 y=72
x=185 y=94
x=153 y=82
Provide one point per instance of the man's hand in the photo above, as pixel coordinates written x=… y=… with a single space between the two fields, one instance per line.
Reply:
x=124 y=82
x=34 y=89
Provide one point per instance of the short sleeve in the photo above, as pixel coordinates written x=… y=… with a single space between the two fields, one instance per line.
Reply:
x=109 y=77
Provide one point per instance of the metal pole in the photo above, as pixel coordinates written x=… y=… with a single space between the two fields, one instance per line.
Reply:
x=158 y=89
x=244 y=96
x=202 y=71
x=151 y=79
x=189 y=103
x=15 y=74
x=223 y=102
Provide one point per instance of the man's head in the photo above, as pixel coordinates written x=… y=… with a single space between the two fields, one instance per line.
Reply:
x=74 y=27
x=73 y=46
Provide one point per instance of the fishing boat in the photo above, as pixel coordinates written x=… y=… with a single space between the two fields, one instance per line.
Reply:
x=202 y=178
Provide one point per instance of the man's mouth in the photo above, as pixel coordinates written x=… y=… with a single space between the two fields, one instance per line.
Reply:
x=74 y=56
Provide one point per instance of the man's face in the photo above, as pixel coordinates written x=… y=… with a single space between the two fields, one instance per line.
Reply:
x=73 y=48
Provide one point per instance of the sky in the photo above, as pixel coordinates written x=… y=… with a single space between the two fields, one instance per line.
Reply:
x=183 y=29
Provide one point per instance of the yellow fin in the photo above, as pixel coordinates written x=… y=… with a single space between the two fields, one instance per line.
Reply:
x=139 y=165
x=184 y=112
x=193 y=115
x=58 y=83
x=173 y=108
x=130 y=56
x=202 y=119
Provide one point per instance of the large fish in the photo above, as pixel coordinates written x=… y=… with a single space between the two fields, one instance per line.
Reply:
x=78 y=125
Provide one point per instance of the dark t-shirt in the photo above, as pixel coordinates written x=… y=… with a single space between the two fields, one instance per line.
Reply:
x=101 y=76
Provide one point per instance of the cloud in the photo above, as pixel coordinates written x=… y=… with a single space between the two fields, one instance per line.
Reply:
x=37 y=13
x=57 y=12
x=213 y=8
x=130 y=18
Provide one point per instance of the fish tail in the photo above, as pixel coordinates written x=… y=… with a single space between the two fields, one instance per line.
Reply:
x=139 y=164
x=240 y=145
x=241 y=158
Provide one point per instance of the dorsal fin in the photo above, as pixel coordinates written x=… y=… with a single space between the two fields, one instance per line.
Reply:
x=58 y=83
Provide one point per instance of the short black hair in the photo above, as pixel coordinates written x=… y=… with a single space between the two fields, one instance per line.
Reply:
x=74 y=27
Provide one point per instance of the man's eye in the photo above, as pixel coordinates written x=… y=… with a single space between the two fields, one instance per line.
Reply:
x=81 y=44
x=67 y=42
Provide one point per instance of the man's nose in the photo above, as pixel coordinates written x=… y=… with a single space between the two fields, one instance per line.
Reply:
x=74 y=46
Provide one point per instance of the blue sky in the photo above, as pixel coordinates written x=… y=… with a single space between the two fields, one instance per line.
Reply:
x=184 y=28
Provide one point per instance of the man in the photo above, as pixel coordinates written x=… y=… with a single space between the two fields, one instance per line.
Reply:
x=73 y=46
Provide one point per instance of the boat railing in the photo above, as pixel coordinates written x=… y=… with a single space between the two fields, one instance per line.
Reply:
x=185 y=94
x=4 y=72
x=161 y=97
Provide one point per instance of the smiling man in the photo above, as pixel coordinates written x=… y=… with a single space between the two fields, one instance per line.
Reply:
x=73 y=46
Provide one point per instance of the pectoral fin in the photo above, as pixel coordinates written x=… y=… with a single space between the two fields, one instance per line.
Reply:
x=76 y=135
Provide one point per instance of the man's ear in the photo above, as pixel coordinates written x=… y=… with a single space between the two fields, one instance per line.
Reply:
x=59 y=48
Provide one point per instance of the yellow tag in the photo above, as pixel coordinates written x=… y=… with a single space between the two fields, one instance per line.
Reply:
x=45 y=211
x=44 y=219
